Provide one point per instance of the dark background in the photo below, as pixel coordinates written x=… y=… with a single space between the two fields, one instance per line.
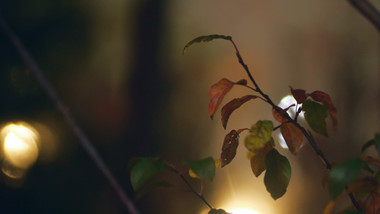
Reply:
x=119 y=68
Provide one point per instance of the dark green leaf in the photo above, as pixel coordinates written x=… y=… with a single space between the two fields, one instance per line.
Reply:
x=277 y=175
x=144 y=169
x=146 y=188
x=315 y=115
x=206 y=39
x=204 y=169
x=343 y=174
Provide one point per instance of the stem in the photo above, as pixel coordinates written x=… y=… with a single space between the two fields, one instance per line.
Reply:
x=308 y=135
x=189 y=185
x=83 y=139
x=368 y=11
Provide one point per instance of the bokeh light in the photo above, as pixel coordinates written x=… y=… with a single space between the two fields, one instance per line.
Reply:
x=243 y=211
x=285 y=102
x=19 y=148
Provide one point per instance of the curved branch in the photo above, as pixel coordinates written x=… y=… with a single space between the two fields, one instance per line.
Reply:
x=308 y=135
x=189 y=185
x=368 y=11
x=83 y=139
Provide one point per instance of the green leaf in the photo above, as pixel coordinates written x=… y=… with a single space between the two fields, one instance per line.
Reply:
x=260 y=135
x=204 y=169
x=146 y=188
x=343 y=174
x=277 y=175
x=144 y=169
x=315 y=115
x=206 y=39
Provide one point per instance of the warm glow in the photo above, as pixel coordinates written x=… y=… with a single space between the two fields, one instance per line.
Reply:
x=19 y=148
x=242 y=211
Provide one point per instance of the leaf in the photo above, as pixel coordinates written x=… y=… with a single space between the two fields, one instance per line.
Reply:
x=258 y=159
x=217 y=211
x=329 y=208
x=144 y=169
x=315 y=115
x=232 y=106
x=206 y=39
x=326 y=100
x=279 y=114
x=260 y=134
x=366 y=184
x=343 y=174
x=242 y=82
x=217 y=93
x=217 y=165
x=298 y=94
x=230 y=145
x=293 y=137
x=373 y=207
x=203 y=169
x=277 y=175
x=146 y=188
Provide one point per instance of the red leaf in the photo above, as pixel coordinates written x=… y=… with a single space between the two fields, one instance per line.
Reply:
x=293 y=137
x=279 y=114
x=230 y=145
x=298 y=94
x=232 y=106
x=326 y=100
x=217 y=92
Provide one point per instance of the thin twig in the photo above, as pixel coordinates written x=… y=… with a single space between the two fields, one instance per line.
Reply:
x=189 y=185
x=308 y=135
x=83 y=139
x=368 y=11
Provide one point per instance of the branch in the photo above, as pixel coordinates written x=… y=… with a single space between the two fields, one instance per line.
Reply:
x=368 y=11
x=308 y=135
x=189 y=185
x=83 y=139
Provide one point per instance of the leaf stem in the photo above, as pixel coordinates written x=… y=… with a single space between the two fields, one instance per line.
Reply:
x=308 y=135
x=200 y=196
x=83 y=139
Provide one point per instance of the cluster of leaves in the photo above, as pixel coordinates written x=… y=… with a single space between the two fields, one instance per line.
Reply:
x=317 y=106
x=359 y=176
x=259 y=142
x=144 y=171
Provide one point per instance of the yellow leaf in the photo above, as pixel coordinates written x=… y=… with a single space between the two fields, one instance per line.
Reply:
x=329 y=208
